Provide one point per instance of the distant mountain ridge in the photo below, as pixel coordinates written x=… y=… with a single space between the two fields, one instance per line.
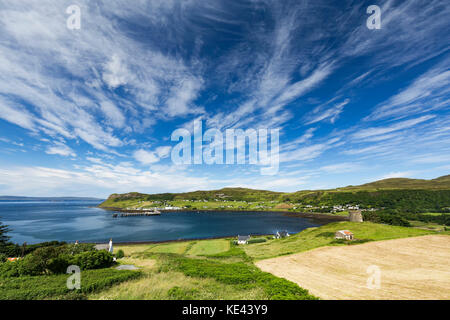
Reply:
x=441 y=183
x=405 y=183
x=18 y=198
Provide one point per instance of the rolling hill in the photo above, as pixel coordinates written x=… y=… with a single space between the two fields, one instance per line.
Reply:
x=404 y=183
x=383 y=193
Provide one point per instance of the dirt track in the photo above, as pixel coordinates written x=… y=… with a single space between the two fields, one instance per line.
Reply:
x=411 y=268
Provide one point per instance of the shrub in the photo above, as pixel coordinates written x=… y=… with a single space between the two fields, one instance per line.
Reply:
x=93 y=259
x=59 y=264
x=256 y=240
x=41 y=257
x=3 y=257
x=120 y=254
x=31 y=265
x=28 y=266
x=79 y=248
x=9 y=269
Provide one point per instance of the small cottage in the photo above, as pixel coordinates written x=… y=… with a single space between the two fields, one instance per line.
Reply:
x=102 y=247
x=243 y=239
x=281 y=234
x=344 y=234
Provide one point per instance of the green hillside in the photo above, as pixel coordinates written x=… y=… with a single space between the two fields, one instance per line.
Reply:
x=404 y=183
x=391 y=193
x=225 y=194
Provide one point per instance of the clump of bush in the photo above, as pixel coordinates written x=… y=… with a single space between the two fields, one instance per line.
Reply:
x=55 y=260
x=93 y=259
x=256 y=240
x=3 y=257
x=120 y=254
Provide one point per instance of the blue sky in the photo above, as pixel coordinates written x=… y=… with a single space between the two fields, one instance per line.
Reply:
x=90 y=112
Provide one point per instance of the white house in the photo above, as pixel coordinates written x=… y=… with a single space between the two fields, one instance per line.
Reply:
x=344 y=234
x=281 y=234
x=243 y=239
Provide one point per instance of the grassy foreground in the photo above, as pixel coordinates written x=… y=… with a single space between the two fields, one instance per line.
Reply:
x=217 y=269
x=207 y=269
x=199 y=269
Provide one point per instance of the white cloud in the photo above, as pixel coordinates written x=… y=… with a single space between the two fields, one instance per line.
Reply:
x=341 y=167
x=330 y=114
x=182 y=96
x=60 y=149
x=305 y=153
x=31 y=72
x=364 y=133
x=145 y=157
x=95 y=180
x=427 y=93
x=14 y=113
x=116 y=72
x=113 y=114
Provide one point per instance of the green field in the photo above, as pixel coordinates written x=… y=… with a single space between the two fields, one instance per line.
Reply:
x=207 y=269
x=209 y=247
x=175 y=247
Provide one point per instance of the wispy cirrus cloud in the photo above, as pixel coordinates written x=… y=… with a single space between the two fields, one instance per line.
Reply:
x=428 y=92
x=370 y=132
x=113 y=91
x=330 y=114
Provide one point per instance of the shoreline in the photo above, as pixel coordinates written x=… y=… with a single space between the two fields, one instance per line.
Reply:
x=315 y=216
x=181 y=240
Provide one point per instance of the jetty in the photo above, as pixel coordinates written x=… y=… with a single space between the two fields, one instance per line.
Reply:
x=140 y=214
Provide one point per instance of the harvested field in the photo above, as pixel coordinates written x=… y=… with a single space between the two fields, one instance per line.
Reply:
x=411 y=268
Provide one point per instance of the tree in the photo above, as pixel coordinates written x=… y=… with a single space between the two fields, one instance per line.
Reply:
x=4 y=239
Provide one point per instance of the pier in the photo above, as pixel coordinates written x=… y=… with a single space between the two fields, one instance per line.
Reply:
x=137 y=214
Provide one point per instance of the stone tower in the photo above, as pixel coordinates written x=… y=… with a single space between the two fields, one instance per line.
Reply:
x=355 y=216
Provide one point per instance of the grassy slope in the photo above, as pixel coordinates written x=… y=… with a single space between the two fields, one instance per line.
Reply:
x=171 y=284
x=324 y=235
x=215 y=269
x=208 y=269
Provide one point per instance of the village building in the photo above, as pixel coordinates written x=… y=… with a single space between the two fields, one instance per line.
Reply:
x=344 y=234
x=102 y=246
x=281 y=234
x=355 y=216
x=243 y=239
